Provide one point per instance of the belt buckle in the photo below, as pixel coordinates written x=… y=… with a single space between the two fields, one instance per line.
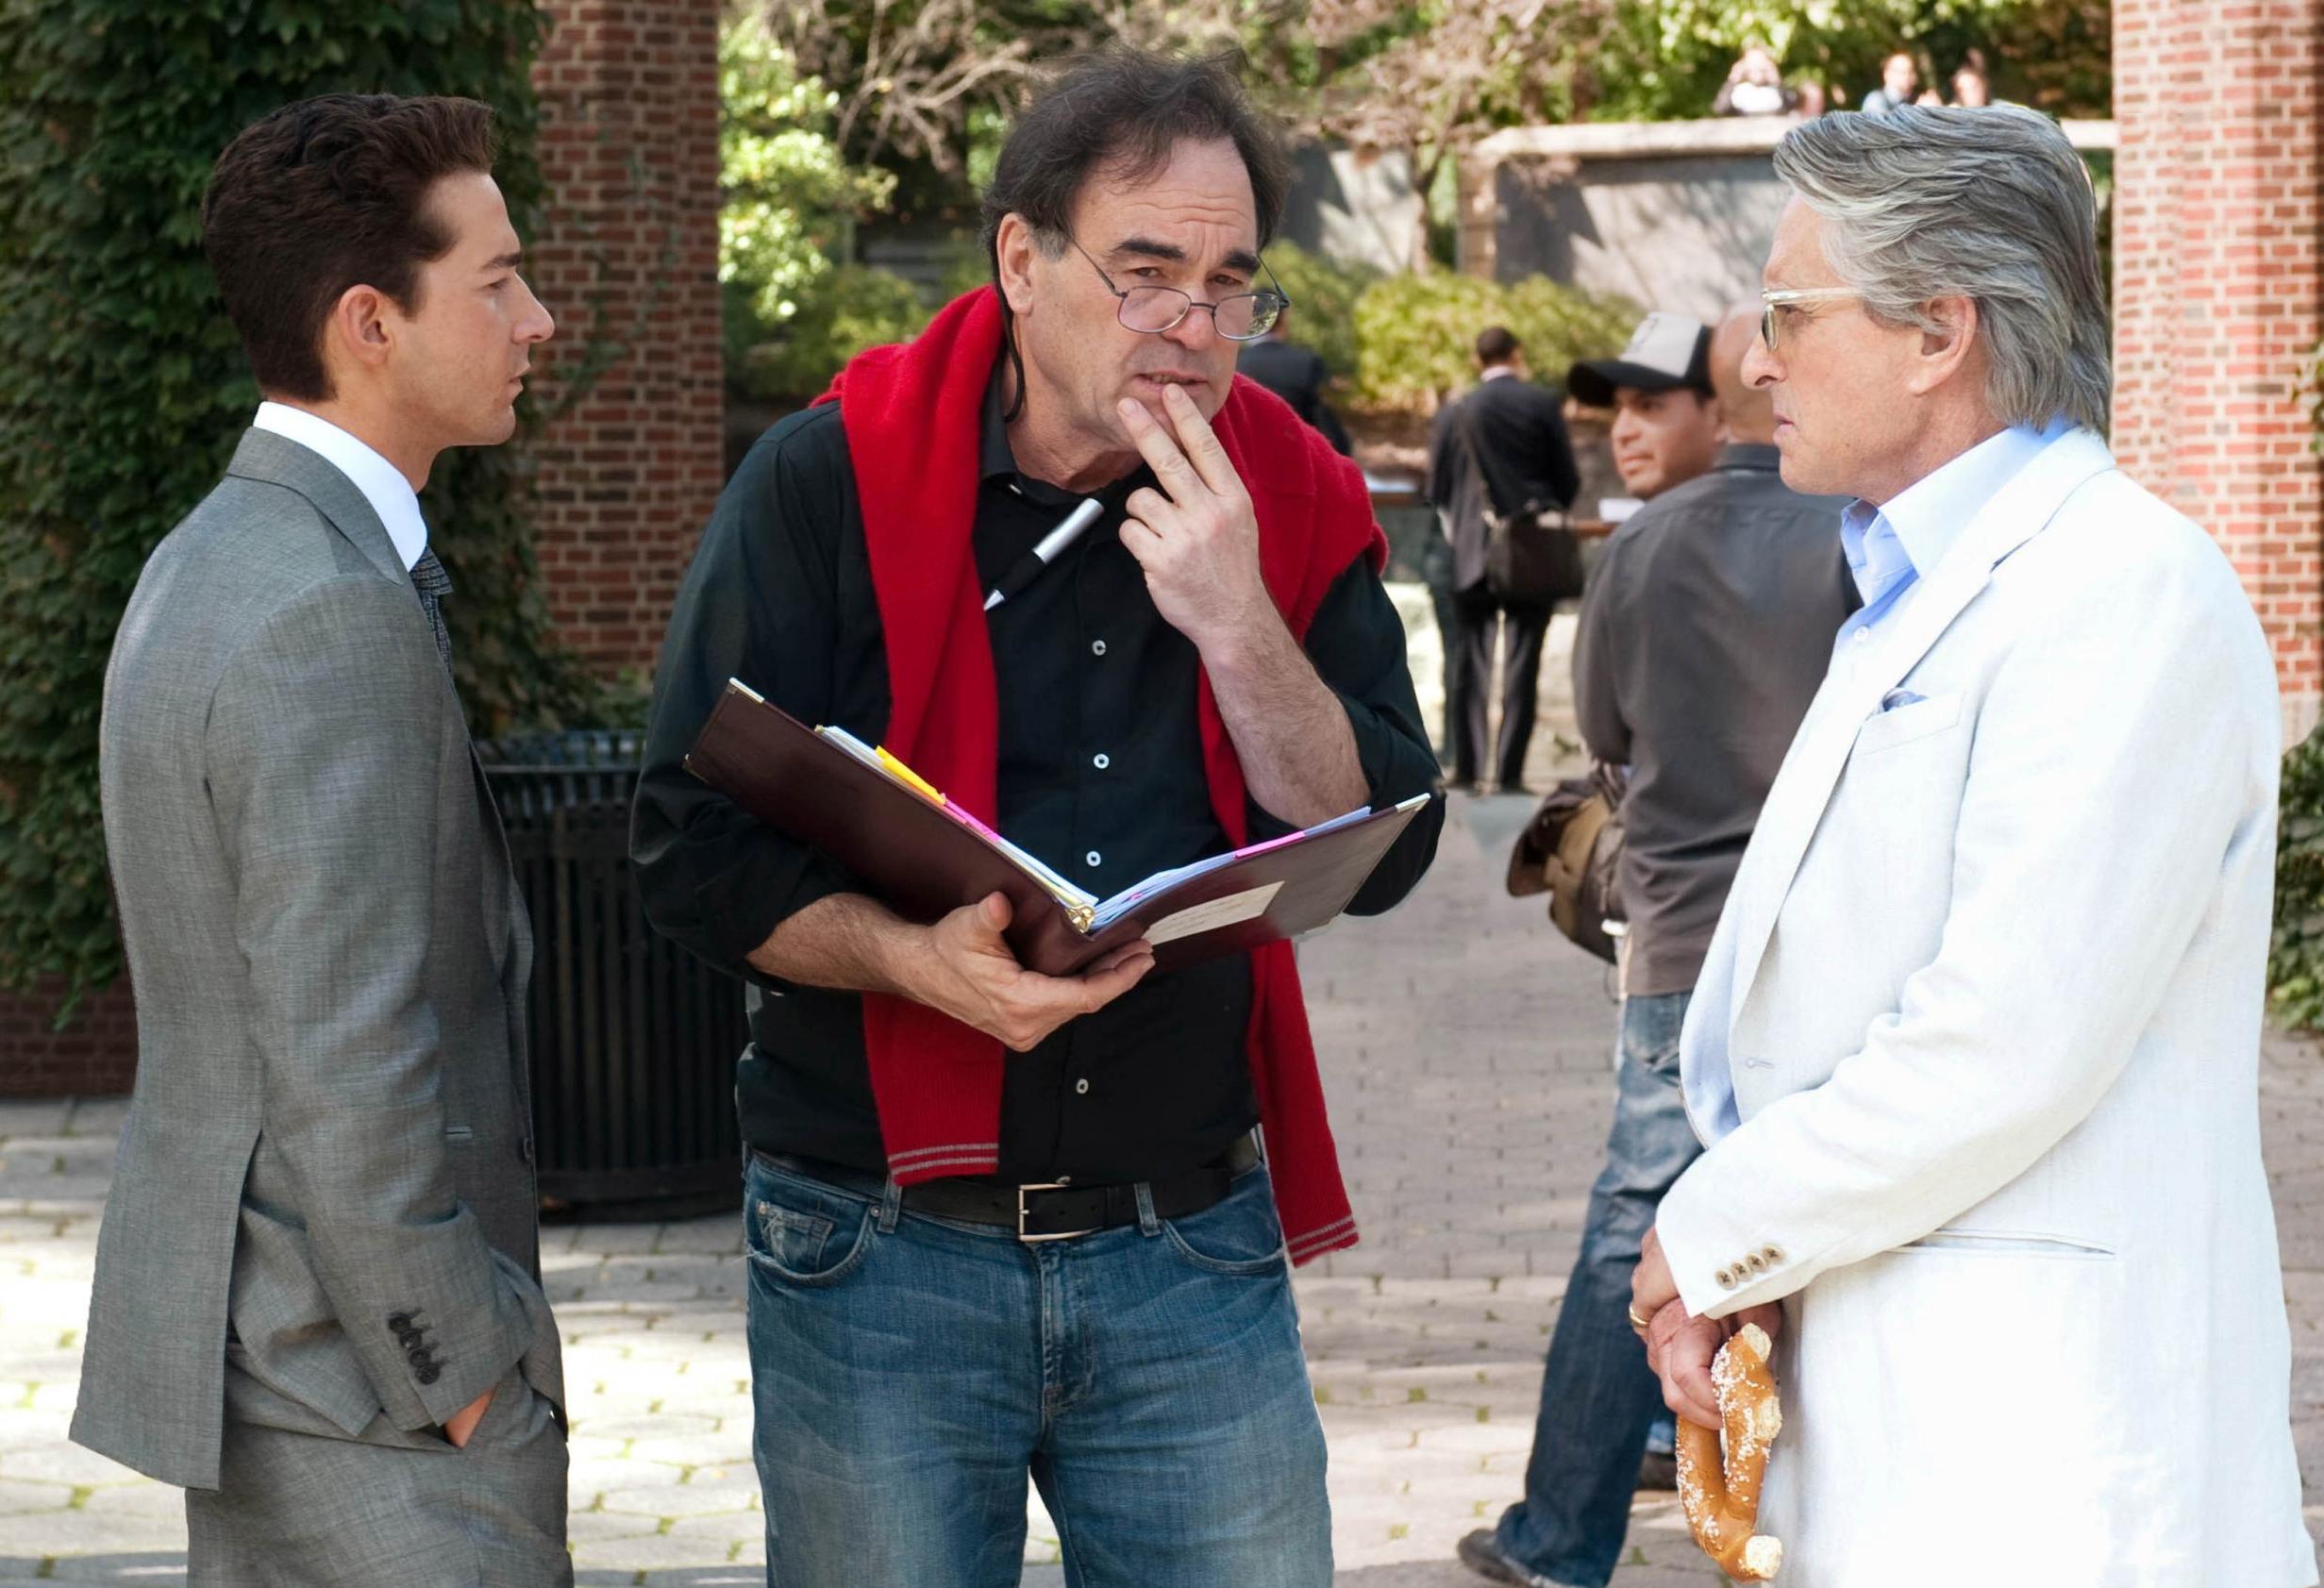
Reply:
x=1036 y=1240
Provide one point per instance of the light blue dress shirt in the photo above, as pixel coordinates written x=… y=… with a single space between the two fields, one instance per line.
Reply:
x=1889 y=547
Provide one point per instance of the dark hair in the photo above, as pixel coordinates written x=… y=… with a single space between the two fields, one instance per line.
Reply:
x=1496 y=345
x=323 y=195
x=1120 y=111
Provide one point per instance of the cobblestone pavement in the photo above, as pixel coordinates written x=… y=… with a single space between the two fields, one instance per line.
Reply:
x=1466 y=1052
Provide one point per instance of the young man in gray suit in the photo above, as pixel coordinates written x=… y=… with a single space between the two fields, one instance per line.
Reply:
x=316 y=1305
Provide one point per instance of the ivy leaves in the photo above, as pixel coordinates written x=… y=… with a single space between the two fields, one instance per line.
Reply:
x=123 y=388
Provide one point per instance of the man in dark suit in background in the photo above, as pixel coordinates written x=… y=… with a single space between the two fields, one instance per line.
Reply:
x=1297 y=375
x=1500 y=449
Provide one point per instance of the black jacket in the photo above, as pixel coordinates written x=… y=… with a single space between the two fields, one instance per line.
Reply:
x=1520 y=455
x=1297 y=375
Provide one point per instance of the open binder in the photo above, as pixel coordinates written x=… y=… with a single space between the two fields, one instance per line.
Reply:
x=925 y=857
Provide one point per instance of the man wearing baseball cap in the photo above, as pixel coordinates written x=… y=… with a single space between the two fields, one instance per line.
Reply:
x=1667 y=426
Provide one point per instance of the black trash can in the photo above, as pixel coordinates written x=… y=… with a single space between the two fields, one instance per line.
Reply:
x=633 y=1040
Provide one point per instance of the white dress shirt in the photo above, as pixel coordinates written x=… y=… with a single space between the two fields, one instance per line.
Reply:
x=382 y=483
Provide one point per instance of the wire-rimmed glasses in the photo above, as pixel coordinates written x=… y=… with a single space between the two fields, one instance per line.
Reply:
x=1242 y=317
x=1770 y=302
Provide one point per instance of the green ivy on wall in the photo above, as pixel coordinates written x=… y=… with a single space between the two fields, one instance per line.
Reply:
x=2296 y=952
x=123 y=388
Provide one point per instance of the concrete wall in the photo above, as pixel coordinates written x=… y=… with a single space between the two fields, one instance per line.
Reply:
x=1674 y=215
x=1356 y=206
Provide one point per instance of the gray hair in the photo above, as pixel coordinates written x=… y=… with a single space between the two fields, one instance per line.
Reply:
x=1990 y=204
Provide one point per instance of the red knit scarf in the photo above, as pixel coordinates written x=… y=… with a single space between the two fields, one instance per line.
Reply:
x=913 y=414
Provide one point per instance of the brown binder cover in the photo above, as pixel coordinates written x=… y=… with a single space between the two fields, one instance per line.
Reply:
x=924 y=864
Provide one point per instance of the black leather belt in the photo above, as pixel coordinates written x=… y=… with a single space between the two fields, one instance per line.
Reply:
x=1048 y=1211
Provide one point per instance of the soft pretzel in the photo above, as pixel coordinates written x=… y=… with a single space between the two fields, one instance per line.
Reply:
x=1721 y=1496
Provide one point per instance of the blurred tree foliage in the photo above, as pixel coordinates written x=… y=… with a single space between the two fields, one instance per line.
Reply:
x=123 y=388
x=924 y=89
x=1414 y=332
x=790 y=199
x=1665 y=60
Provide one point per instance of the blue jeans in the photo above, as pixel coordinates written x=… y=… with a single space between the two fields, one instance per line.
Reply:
x=1598 y=1395
x=909 y=1372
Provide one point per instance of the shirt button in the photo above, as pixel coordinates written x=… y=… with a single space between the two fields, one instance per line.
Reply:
x=1098 y=647
x=1101 y=762
x=1081 y=1087
x=1094 y=858
x=1862 y=635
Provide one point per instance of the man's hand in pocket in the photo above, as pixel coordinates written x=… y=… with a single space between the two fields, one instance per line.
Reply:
x=464 y=1421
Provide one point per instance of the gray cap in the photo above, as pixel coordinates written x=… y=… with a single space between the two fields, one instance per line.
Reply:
x=1666 y=353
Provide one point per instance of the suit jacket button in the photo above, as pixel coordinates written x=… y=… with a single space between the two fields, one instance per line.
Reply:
x=428 y=1373
x=1726 y=1277
x=1773 y=1254
x=1756 y=1262
x=400 y=1322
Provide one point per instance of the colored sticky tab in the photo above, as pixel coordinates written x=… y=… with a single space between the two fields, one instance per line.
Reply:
x=906 y=775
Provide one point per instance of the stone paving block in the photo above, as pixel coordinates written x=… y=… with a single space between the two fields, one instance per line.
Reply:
x=721 y=1234
x=645 y=1553
x=723 y=1443
x=159 y=1569
x=646 y=1431
x=62 y=1463
x=19 y=1496
x=689 y=1498
x=746 y=1526
x=36 y=1118
x=88 y=1532
x=588 y=1525
x=144 y=1498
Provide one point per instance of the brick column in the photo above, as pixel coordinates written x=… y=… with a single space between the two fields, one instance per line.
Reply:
x=2219 y=294
x=627 y=259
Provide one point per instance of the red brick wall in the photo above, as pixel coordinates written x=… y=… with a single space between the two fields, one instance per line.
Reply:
x=627 y=259
x=96 y=1056
x=2219 y=292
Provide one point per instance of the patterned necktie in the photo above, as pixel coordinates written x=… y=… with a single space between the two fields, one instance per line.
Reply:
x=434 y=584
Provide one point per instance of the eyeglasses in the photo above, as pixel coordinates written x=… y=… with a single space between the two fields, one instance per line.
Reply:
x=1770 y=302
x=1244 y=317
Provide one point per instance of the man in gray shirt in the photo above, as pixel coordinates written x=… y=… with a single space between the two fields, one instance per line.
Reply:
x=1707 y=630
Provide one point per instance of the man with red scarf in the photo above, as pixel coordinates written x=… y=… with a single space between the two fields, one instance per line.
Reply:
x=1002 y=1223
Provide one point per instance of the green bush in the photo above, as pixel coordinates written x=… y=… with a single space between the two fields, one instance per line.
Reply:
x=838 y=315
x=1323 y=297
x=122 y=388
x=1415 y=334
x=2296 y=951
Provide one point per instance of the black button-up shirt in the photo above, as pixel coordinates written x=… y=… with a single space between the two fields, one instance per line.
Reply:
x=1099 y=773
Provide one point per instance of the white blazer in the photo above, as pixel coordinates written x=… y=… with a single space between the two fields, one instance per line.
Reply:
x=1975 y=1052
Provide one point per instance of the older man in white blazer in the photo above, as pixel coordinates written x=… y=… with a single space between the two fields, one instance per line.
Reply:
x=1975 y=1048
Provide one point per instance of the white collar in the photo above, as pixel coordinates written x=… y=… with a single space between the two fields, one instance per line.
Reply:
x=1496 y=372
x=382 y=483
x=1928 y=515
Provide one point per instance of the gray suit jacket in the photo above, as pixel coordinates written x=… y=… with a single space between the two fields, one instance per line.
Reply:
x=326 y=1167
